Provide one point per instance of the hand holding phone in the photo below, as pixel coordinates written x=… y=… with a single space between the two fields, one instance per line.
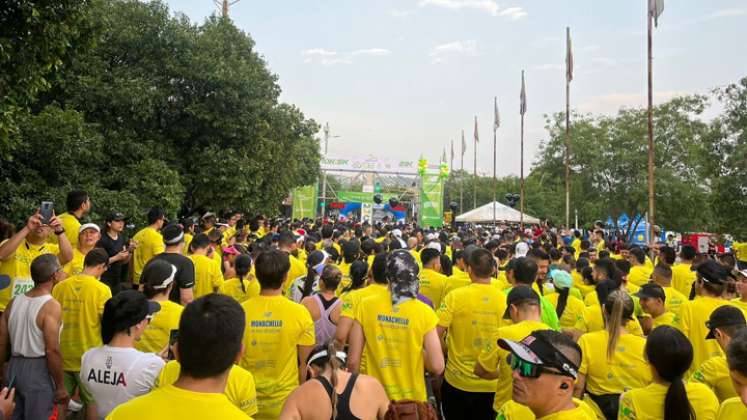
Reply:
x=47 y=212
x=173 y=338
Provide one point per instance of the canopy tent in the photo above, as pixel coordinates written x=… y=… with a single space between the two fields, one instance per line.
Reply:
x=503 y=213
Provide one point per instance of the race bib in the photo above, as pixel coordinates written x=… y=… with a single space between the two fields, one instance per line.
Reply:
x=21 y=286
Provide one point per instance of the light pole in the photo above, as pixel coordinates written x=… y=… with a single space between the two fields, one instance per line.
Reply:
x=324 y=173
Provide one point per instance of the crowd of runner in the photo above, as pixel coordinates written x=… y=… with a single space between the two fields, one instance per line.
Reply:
x=234 y=316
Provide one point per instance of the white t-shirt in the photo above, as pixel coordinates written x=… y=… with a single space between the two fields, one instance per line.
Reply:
x=115 y=375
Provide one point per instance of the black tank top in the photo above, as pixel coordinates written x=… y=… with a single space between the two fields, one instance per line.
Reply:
x=343 y=400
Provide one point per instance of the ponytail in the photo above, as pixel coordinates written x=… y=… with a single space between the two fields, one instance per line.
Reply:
x=308 y=282
x=619 y=309
x=242 y=264
x=334 y=364
x=671 y=354
x=562 y=301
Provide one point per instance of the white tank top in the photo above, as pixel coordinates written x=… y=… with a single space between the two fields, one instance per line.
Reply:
x=26 y=339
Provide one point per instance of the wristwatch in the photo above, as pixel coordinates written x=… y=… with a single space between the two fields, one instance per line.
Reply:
x=60 y=232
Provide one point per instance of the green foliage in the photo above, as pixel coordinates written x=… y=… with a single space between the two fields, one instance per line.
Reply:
x=160 y=111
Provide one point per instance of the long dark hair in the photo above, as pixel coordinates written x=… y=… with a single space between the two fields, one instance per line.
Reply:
x=671 y=354
x=562 y=301
x=331 y=361
x=242 y=265
x=312 y=261
x=358 y=274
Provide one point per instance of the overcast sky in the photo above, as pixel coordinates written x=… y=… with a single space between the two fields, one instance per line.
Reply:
x=397 y=78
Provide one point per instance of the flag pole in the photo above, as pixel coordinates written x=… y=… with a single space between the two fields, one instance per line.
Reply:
x=568 y=77
x=651 y=212
x=495 y=141
x=521 y=190
x=461 y=179
x=474 y=186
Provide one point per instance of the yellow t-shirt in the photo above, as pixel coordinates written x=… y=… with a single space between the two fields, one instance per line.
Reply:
x=472 y=315
x=172 y=403
x=208 y=276
x=75 y=266
x=155 y=338
x=149 y=244
x=647 y=403
x=578 y=282
x=714 y=373
x=493 y=358
x=576 y=244
x=18 y=267
x=627 y=368
x=432 y=286
x=82 y=298
x=513 y=411
x=683 y=278
x=732 y=409
x=71 y=224
x=187 y=241
x=297 y=269
x=240 y=388
x=592 y=320
x=352 y=299
x=739 y=304
x=394 y=345
x=574 y=310
x=457 y=279
x=675 y=299
x=275 y=327
x=693 y=316
x=232 y=287
x=740 y=250
x=639 y=275
x=667 y=318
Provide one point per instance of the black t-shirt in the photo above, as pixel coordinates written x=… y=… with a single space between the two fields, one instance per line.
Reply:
x=117 y=272
x=185 y=273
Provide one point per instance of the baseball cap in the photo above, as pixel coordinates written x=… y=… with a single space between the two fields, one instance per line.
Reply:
x=536 y=350
x=125 y=309
x=561 y=279
x=115 y=216
x=522 y=248
x=172 y=234
x=712 y=272
x=519 y=294
x=743 y=272
x=652 y=290
x=158 y=274
x=85 y=226
x=207 y=215
x=724 y=316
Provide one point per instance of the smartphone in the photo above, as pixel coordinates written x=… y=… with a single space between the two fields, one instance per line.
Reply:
x=12 y=382
x=173 y=338
x=46 y=210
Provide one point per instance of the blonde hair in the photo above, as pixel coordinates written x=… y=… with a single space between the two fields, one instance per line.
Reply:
x=618 y=310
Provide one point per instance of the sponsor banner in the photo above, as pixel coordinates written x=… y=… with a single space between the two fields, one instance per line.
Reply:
x=304 y=202
x=431 y=201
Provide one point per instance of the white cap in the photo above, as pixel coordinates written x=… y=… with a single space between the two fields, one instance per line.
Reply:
x=431 y=236
x=521 y=249
x=743 y=272
x=93 y=226
x=434 y=245
x=397 y=233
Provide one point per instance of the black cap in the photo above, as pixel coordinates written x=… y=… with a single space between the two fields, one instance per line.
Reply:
x=115 y=216
x=158 y=274
x=519 y=294
x=652 y=290
x=536 y=350
x=724 y=316
x=124 y=310
x=172 y=234
x=712 y=272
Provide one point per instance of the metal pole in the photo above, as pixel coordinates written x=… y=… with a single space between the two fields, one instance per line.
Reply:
x=324 y=173
x=474 y=184
x=521 y=197
x=651 y=212
x=567 y=142
x=461 y=180
x=495 y=178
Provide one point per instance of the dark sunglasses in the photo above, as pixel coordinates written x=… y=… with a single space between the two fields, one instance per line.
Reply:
x=531 y=370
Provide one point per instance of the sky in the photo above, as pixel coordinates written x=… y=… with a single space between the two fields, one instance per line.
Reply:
x=398 y=79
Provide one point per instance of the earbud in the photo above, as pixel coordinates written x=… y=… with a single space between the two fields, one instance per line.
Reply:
x=564 y=386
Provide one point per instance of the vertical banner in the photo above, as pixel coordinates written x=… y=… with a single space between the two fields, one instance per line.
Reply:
x=304 y=202
x=431 y=200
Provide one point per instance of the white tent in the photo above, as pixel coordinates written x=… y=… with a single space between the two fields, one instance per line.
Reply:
x=503 y=213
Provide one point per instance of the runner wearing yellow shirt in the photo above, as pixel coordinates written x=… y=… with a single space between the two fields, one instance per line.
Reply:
x=210 y=341
x=639 y=274
x=279 y=333
x=82 y=298
x=544 y=366
x=17 y=253
x=158 y=280
x=612 y=358
x=244 y=285
x=683 y=275
x=208 y=276
x=725 y=322
x=471 y=315
x=568 y=308
x=576 y=243
x=741 y=301
x=669 y=352
x=663 y=277
x=459 y=277
x=710 y=286
x=88 y=235
x=148 y=241
x=78 y=204
x=736 y=357
x=287 y=243
x=523 y=308
x=432 y=282
x=653 y=299
x=394 y=329
x=740 y=254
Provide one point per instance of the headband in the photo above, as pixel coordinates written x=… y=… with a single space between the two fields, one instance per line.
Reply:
x=168 y=280
x=340 y=355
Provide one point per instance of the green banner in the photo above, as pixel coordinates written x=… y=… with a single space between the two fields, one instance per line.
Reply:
x=304 y=202
x=361 y=197
x=431 y=201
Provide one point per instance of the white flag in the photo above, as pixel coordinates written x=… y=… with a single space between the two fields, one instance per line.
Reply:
x=497 y=117
x=568 y=56
x=656 y=7
x=477 y=136
x=464 y=144
x=523 y=96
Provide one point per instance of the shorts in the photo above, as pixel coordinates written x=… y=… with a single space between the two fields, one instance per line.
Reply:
x=72 y=381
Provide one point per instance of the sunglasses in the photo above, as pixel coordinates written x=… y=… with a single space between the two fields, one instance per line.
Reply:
x=530 y=370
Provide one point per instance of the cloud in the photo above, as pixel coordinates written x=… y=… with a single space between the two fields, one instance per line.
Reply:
x=543 y=67
x=487 y=6
x=372 y=52
x=611 y=103
x=468 y=47
x=400 y=14
x=727 y=13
